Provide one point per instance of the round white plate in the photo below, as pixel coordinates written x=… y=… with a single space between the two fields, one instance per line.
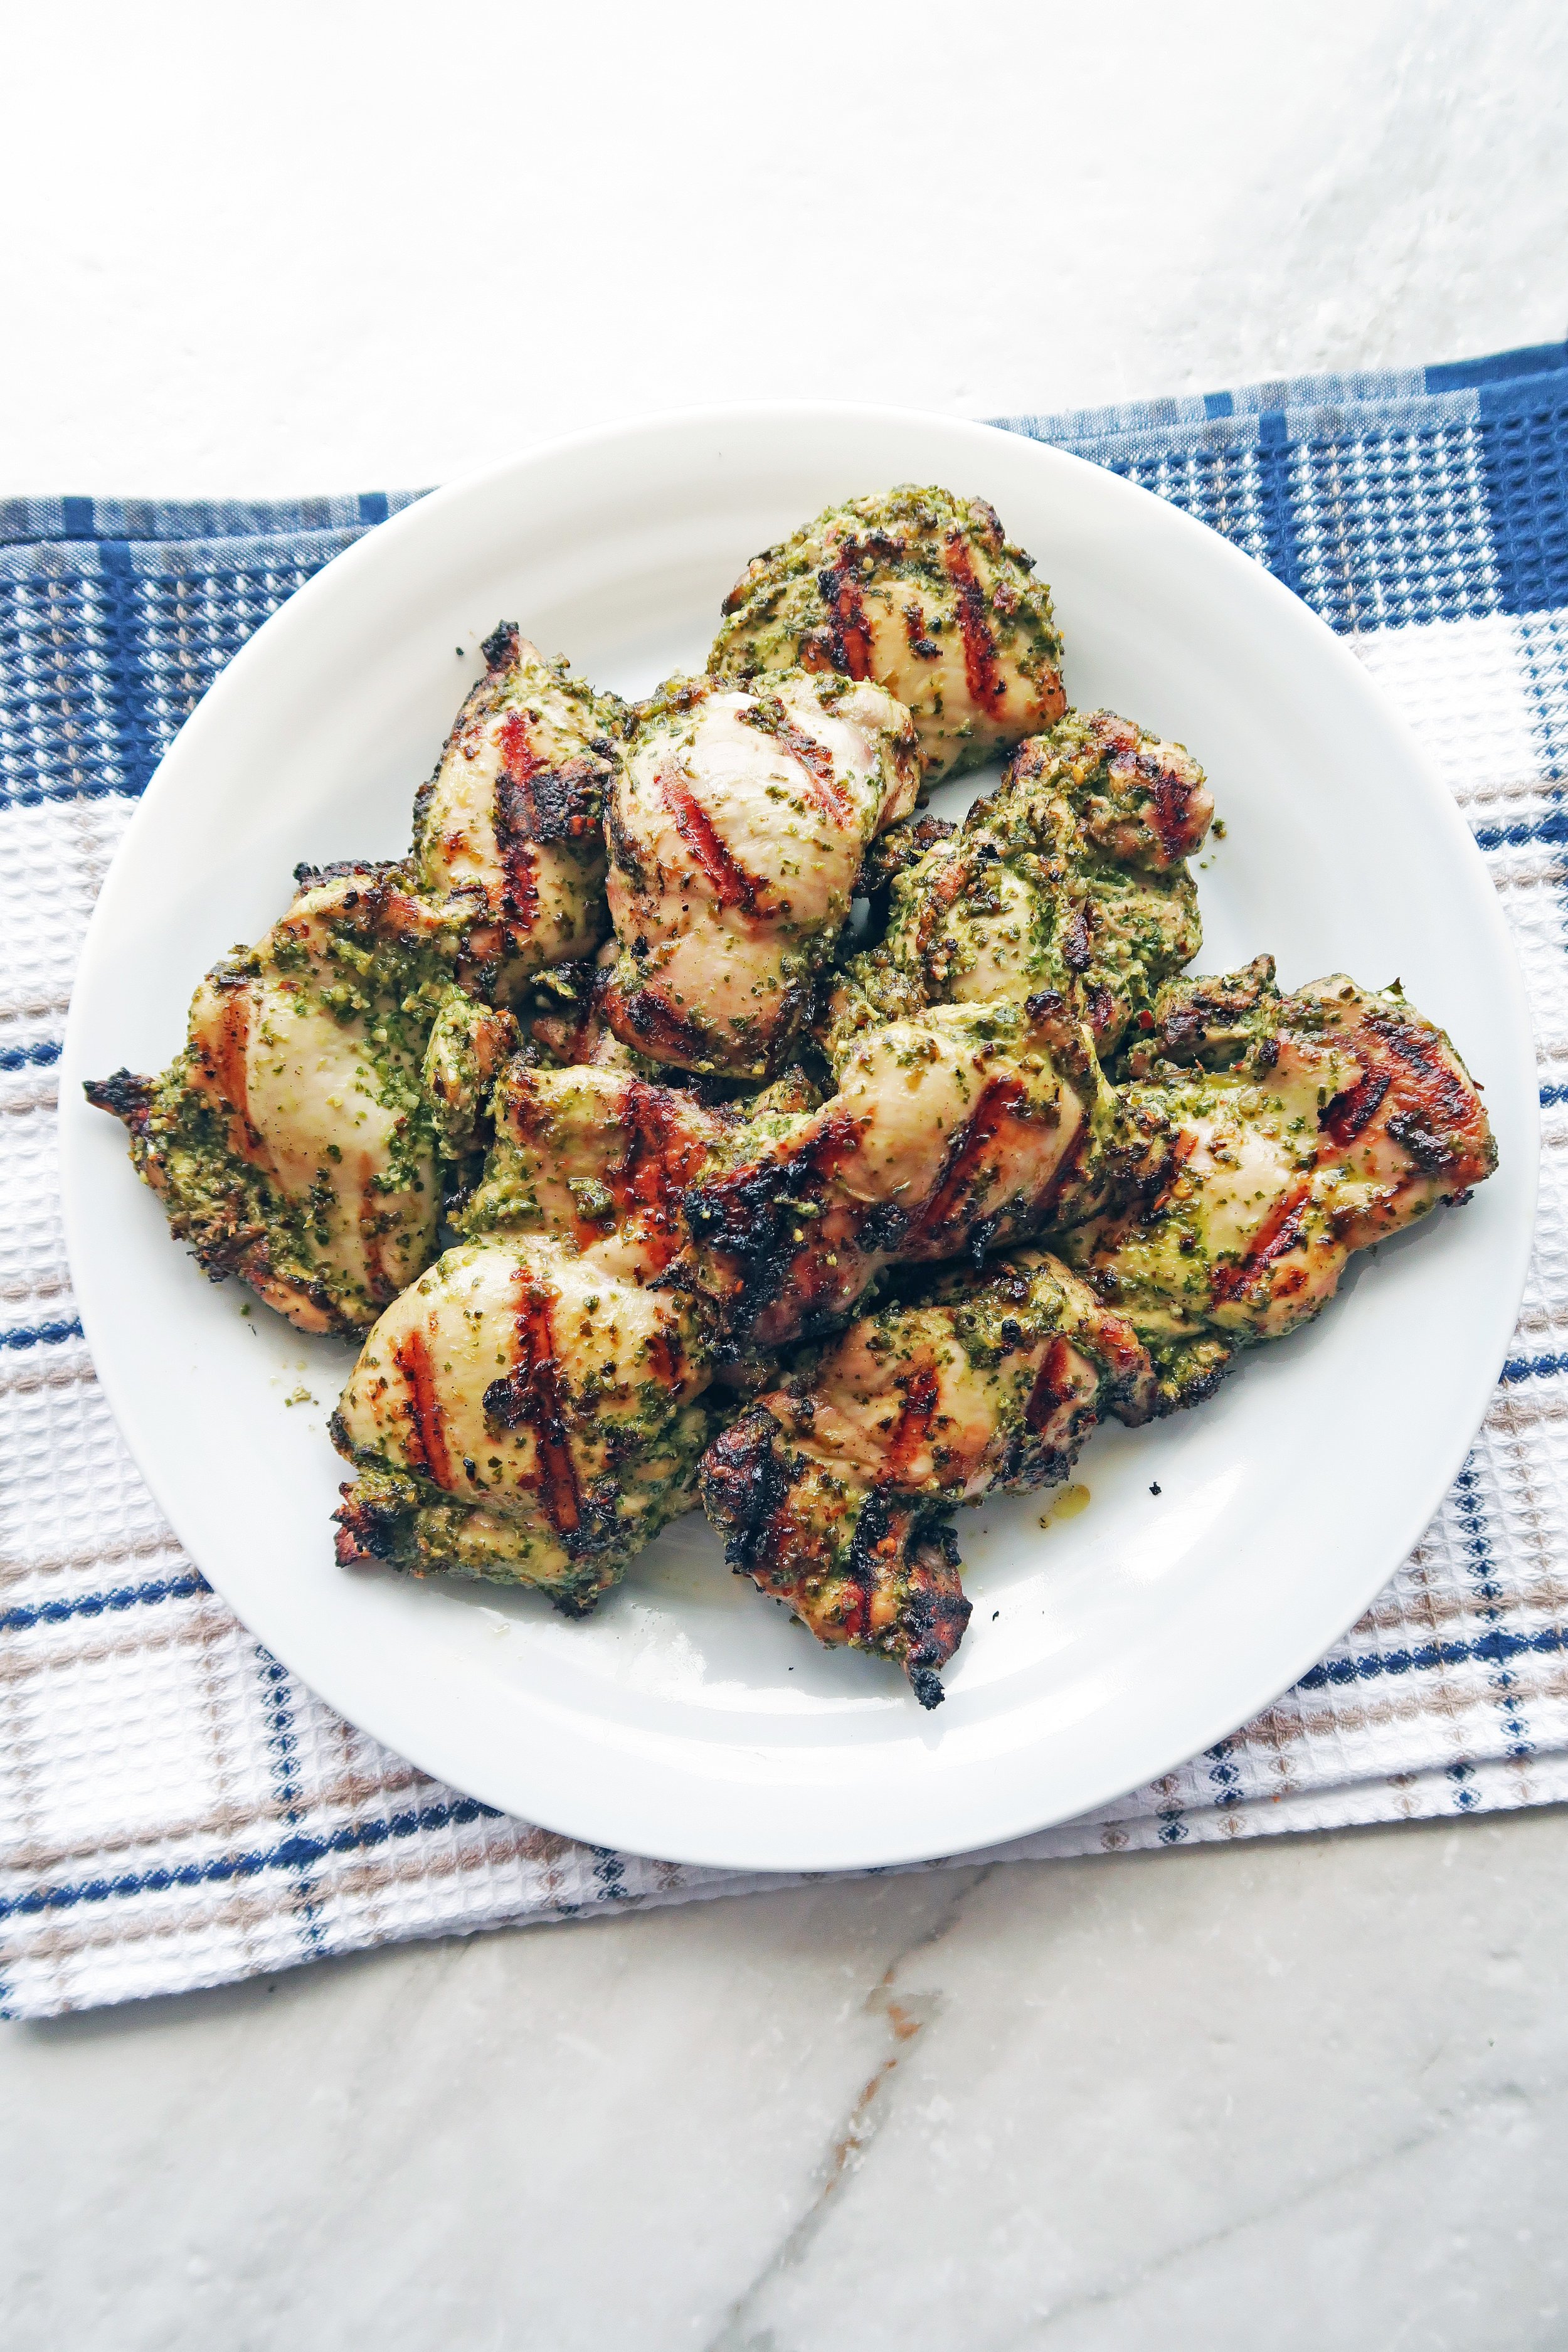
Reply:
x=689 y=1718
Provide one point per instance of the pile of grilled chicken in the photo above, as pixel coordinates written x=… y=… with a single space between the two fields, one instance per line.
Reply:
x=648 y=1176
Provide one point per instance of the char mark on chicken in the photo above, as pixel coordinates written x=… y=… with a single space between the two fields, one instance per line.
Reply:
x=920 y=592
x=954 y=1134
x=597 y=1156
x=511 y=823
x=835 y=1491
x=1304 y=1127
x=737 y=825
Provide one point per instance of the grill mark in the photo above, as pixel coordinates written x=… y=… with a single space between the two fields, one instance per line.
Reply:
x=514 y=826
x=228 y=1054
x=1433 y=1116
x=998 y=1098
x=623 y=845
x=426 y=1423
x=1054 y=1386
x=1281 y=1230
x=986 y=686
x=546 y=803
x=531 y=1397
x=1436 y=1090
x=1121 y=1351
x=729 y=881
x=847 y=635
x=747 y=1217
x=923 y=647
x=1170 y=809
x=502 y=648
x=911 y=1431
x=520 y=865
x=836 y=1141
x=874 y=1555
x=660 y=1159
x=1075 y=948
x=668 y=1155
x=657 y=1028
x=769 y=717
x=1100 y=1008
x=952 y=884
x=519 y=762
x=1182 y=1146
x=383 y=1288
x=1350 y=1111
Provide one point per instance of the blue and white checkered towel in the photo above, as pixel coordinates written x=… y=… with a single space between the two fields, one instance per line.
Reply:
x=177 y=1808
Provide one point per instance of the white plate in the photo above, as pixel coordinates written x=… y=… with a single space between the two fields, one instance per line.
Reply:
x=687 y=1718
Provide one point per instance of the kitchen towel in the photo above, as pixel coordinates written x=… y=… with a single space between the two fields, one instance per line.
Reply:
x=177 y=1809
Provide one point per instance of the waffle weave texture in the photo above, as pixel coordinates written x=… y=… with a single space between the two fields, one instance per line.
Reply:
x=177 y=1808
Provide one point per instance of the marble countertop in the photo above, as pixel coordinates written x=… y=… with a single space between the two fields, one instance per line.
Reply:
x=1311 y=2092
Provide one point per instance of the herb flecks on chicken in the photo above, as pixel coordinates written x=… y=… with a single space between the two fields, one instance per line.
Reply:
x=835 y=1491
x=530 y=1411
x=921 y=592
x=330 y=1068
x=524 y=1414
x=737 y=823
x=468 y=1045
x=1305 y=1127
x=957 y=1133
x=1071 y=874
x=293 y=1142
x=511 y=823
x=598 y=1156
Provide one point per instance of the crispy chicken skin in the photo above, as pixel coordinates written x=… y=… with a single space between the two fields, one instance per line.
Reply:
x=956 y=1133
x=1072 y=875
x=834 y=1490
x=920 y=591
x=737 y=823
x=1305 y=1127
x=293 y=1142
x=512 y=820
x=526 y=1413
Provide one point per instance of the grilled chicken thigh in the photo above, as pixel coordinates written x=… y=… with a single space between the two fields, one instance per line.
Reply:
x=291 y=1142
x=296 y=1141
x=737 y=822
x=529 y=1411
x=526 y=1413
x=512 y=820
x=921 y=592
x=1304 y=1127
x=954 y=1133
x=1072 y=875
x=836 y=1490
x=598 y=1156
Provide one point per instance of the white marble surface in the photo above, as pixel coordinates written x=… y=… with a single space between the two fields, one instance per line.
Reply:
x=1311 y=2094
